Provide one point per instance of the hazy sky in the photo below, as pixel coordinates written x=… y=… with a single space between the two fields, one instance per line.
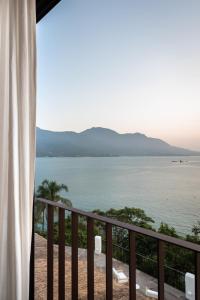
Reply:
x=123 y=64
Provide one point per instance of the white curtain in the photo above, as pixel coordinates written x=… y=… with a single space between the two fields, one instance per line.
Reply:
x=17 y=144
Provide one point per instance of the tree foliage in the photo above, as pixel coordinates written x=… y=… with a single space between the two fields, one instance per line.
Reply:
x=49 y=190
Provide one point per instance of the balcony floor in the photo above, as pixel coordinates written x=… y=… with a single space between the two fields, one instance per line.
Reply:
x=120 y=291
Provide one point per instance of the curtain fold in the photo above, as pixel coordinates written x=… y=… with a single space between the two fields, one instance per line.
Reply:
x=17 y=144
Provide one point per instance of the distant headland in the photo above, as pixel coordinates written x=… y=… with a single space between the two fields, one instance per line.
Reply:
x=98 y=141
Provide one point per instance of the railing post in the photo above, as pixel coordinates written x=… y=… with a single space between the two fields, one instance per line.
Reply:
x=132 y=266
x=90 y=258
x=133 y=230
x=61 y=277
x=109 y=280
x=74 y=256
x=50 y=252
x=197 y=275
x=161 y=275
x=32 y=261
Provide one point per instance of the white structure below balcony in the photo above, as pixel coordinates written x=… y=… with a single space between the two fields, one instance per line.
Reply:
x=151 y=293
x=120 y=276
x=190 y=286
x=98 y=244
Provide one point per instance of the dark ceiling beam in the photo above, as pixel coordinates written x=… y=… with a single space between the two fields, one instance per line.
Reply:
x=43 y=7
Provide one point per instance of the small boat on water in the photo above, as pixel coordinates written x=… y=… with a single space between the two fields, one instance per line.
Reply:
x=175 y=161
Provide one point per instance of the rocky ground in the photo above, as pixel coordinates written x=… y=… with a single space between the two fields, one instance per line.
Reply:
x=120 y=291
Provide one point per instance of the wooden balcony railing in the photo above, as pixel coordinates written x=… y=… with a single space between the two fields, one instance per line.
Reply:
x=91 y=217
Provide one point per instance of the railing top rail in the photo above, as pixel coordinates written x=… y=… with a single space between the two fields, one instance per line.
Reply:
x=137 y=229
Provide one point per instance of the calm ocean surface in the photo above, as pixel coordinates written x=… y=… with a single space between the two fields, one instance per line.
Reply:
x=167 y=191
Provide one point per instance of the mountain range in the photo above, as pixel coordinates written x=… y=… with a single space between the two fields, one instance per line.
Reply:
x=98 y=141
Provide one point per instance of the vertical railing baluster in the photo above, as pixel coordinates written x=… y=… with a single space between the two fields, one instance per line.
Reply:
x=74 y=256
x=90 y=258
x=61 y=277
x=132 y=266
x=109 y=280
x=197 y=276
x=161 y=275
x=49 y=252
